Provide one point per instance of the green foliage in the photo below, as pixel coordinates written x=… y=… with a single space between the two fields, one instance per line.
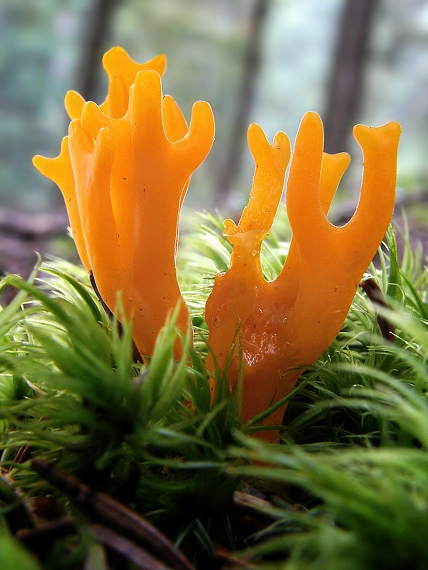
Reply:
x=346 y=489
x=13 y=556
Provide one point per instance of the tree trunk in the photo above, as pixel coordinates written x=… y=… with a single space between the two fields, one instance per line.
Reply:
x=94 y=36
x=345 y=86
x=251 y=66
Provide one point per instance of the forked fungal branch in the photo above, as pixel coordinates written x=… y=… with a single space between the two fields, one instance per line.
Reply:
x=124 y=170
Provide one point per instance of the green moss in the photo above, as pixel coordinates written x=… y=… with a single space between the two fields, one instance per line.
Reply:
x=353 y=456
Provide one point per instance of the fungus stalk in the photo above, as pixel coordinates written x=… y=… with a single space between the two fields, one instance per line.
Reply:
x=286 y=324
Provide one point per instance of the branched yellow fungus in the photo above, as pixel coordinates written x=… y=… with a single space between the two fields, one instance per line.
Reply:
x=123 y=171
x=286 y=324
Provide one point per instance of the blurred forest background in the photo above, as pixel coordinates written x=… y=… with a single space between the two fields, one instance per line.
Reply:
x=264 y=61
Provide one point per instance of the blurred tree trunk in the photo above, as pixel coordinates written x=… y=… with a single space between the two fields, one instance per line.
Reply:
x=345 y=86
x=97 y=28
x=246 y=92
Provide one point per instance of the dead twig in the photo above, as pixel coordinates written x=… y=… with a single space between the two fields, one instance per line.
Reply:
x=247 y=502
x=126 y=548
x=22 y=455
x=14 y=505
x=40 y=538
x=112 y=511
x=230 y=561
x=373 y=292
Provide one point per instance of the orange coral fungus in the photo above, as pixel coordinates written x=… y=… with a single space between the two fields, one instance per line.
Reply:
x=124 y=170
x=288 y=323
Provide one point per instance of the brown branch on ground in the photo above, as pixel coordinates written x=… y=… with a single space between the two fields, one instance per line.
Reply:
x=26 y=226
x=373 y=292
x=127 y=549
x=113 y=512
x=42 y=537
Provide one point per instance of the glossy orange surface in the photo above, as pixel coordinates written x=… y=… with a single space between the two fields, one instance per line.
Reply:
x=124 y=170
x=285 y=325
